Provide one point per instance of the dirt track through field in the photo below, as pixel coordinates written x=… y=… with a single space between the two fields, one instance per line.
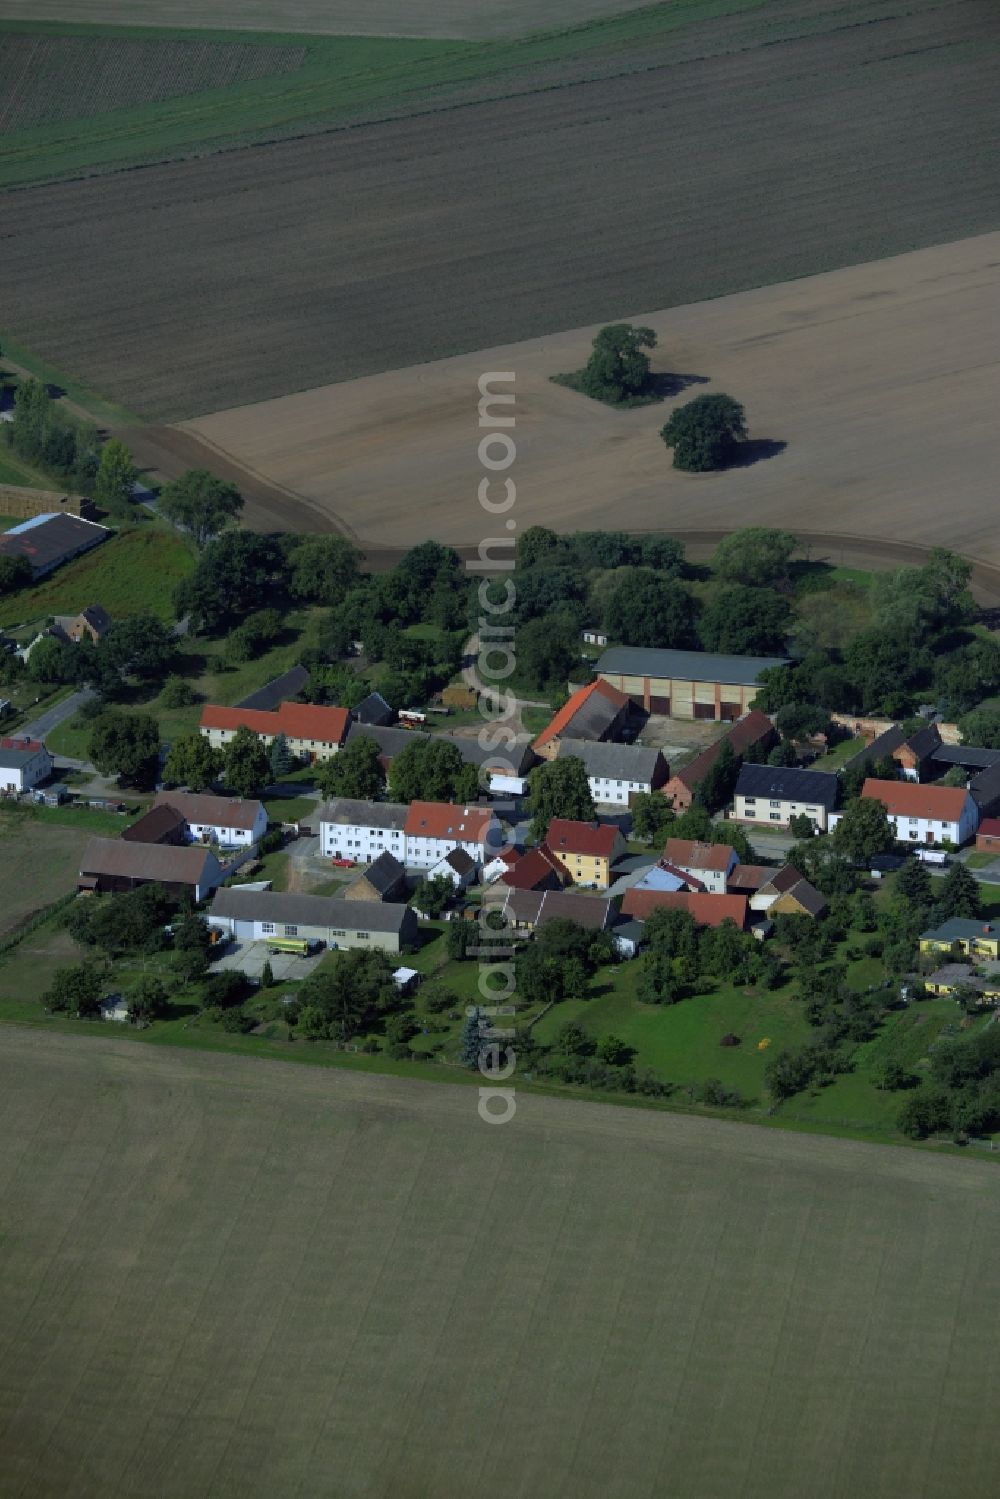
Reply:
x=755 y=148
x=229 y=1276
x=883 y=380
x=476 y=20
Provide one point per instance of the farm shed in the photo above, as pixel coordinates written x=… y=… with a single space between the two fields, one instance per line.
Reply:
x=255 y=915
x=113 y=865
x=686 y=684
x=50 y=540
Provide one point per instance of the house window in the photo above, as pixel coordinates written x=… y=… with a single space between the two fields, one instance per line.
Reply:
x=775 y=816
x=775 y=804
x=338 y=933
x=267 y=927
x=291 y=931
x=362 y=936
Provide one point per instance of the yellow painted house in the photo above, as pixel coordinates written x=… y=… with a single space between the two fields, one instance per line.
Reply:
x=954 y=976
x=980 y=939
x=586 y=850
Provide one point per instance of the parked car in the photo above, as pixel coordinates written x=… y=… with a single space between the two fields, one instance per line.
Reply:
x=342 y=863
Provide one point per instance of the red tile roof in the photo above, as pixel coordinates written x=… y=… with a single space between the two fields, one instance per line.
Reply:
x=707 y=910
x=594 y=839
x=990 y=827
x=910 y=799
x=537 y=866
x=573 y=705
x=750 y=729
x=691 y=854
x=749 y=876
x=448 y=820
x=295 y=720
x=19 y=742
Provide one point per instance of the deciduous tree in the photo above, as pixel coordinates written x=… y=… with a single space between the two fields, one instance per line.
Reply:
x=201 y=503
x=193 y=762
x=245 y=766
x=559 y=788
x=125 y=744
x=705 y=433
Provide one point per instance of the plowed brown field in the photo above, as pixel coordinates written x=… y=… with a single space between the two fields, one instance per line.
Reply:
x=883 y=380
x=813 y=137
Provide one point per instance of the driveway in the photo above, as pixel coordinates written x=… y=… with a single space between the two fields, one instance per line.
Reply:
x=250 y=957
x=57 y=715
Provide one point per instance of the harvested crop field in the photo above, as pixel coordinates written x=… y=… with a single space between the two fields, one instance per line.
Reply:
x=222 y=1276
x=472 y=19
x=39 y=863
x=44 y=79
x=883 y=380
x=794 y=140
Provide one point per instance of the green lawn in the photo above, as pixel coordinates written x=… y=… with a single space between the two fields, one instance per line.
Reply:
x=14 y=470
x=135 y=571
x=340 y=76
x=981 y=858
x=199 y=663
x=839 y=755
x=290 y=808
x=681 y=1042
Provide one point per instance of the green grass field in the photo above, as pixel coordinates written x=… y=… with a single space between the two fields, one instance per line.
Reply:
x=39 y=863
x=135 y=571
x=341 y=76
x=14 y=470
x=314 y=1282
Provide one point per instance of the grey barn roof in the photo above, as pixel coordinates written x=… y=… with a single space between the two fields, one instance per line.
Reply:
x=16 y=759
x=373 y=709
x=392 y=742
x=279 y=690
x=384 y=874
x=966 y=754
x=686 y=666
x=115 y=857
x=309 y=910
x=353 y=814
x=782 y=783
x=614 y=762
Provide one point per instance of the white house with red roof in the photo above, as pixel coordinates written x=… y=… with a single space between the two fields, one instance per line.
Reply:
x=24 y=763
x=232 y=822
x=433 y=829
x=313 y=733
x=709 y=863
x=925 y=814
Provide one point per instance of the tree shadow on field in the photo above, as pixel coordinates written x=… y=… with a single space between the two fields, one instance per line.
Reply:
x=664 y=385
x=755 y=450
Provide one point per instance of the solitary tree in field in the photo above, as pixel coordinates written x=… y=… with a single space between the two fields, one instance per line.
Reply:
x=704 y=434
x=618 y=369
x=116 y=473
x=201 y=503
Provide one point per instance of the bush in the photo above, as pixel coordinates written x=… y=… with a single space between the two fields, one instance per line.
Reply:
x=237 y=1021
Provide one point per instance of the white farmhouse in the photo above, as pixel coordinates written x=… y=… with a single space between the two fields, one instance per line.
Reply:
x=926 y=814
x=361 y=831
x=23 y=764
x=231 y=822
x=616 y=772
